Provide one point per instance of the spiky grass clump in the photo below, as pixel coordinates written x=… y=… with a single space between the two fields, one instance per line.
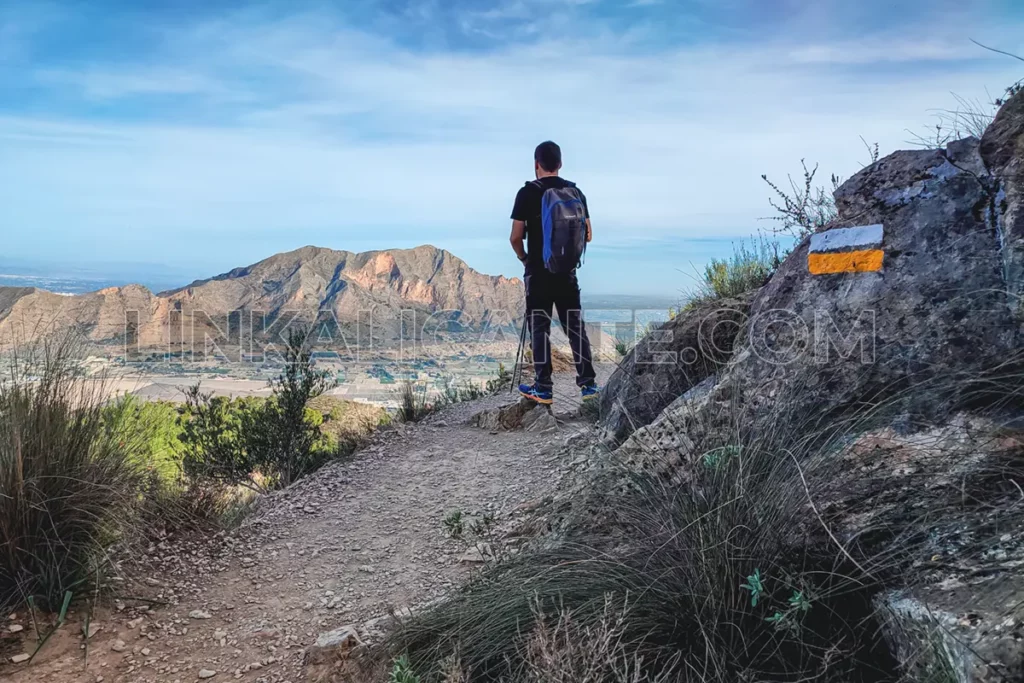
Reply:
x=748 y=269
x=415 y=403
x=70 y=478
x=750 y=555
x=723 y=581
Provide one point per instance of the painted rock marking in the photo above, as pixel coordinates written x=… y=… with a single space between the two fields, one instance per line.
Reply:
x=846 y=250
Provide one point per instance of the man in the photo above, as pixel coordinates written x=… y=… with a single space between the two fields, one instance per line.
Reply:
x=544 y=288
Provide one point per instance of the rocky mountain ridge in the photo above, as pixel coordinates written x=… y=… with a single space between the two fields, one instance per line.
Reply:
x=308 y=283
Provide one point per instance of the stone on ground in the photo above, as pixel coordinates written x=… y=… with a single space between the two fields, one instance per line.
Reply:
x=333 y=645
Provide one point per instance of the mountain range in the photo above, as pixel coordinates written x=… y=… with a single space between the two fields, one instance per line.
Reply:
x=308 y=283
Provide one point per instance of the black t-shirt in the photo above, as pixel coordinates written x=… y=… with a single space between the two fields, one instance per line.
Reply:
x=527 y=208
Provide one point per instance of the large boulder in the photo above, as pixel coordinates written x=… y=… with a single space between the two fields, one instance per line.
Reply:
x=827 y=333
x=912 y=289
x=669 y=361
x=918 y=278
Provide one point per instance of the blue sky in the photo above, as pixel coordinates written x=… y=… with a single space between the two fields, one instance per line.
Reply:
x=207 y=135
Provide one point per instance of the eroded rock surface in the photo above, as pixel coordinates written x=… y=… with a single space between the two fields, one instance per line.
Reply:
x=669 y=361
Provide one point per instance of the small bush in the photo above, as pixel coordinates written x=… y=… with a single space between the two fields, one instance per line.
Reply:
x=71 y=473
x=413 y=406
x=261 y=443
x=457 y=393
x=415 y=403
x=749 y=268
x=501 y=382
x=159 y=426
x=342 y=418
x=564 y=649
x=590 y=411
x=401 y=672
x=454 y=524
x=807 y=207
x=483 y=526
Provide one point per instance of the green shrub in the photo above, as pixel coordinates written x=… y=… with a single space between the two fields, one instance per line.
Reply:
x=261 y=443
x=414 y=406
x=292 y=430
x=71 y=472
x=749 y=268
x=222 y=437
x=454 y=524
x=401 y=672
x=171 y=501
x=160 y=425
x=502 y=380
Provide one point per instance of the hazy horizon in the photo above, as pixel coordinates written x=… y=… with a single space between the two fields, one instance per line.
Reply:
x=71 y=278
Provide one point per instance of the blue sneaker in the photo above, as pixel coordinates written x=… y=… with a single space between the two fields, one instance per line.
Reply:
x=589 y=391
x=536 y=395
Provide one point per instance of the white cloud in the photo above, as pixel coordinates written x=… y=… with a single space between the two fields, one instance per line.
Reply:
x=103 y=84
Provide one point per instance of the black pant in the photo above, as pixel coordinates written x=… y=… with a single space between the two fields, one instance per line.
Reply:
x=544 y=290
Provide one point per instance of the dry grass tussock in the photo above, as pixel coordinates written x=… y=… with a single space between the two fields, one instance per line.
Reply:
x=70 y=483
x=758 y=568
x=417 y=402
x=562 y=650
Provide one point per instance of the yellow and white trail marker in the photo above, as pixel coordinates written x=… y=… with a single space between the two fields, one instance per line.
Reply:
x=846 y=250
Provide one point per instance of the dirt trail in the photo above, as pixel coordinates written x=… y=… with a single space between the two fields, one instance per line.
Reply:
x=342 y=547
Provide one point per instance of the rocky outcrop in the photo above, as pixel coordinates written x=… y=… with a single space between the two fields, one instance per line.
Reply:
x=940 y=305
x=669 y=361
x=942 y=508
x=523 y=414
x=897 y=327
x=1002 y=152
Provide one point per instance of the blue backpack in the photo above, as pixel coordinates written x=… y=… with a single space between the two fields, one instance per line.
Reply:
x=564 y=221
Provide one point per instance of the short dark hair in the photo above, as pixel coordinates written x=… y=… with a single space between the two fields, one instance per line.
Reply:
x=549 y=156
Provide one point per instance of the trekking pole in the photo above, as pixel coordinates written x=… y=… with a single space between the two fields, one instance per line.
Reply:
x=515 y=366
x=517 y=371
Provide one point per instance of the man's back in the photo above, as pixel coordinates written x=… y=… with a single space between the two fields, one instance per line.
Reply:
x=527 y=208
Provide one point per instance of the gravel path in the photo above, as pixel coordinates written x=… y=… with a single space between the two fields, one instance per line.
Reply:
x=342 y=547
